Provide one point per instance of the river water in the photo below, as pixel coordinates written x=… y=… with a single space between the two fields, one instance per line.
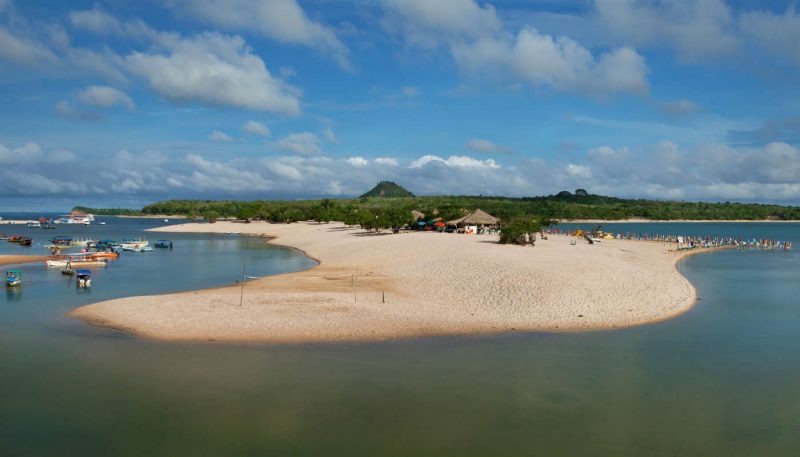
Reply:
x=720 y=380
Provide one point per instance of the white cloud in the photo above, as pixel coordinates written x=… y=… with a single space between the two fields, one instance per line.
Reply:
x=580 y=171
x=386 y=161
x=480 y=45
x=104 y=97
x=695 y=29
x=454 y=162
x=24 y=51
x=214 y=69
x=484 y=146
x=95 y=21
x=255 y=128
x=27 y=153
x=283 y=20
x=779 y=35
x=305 y=143
x=358 y=161
x=218 y=136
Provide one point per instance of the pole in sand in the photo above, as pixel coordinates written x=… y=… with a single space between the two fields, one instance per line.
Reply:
x=244 y=278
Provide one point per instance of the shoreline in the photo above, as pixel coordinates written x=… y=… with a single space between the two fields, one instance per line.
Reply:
x=551 y=287
x=674 y=221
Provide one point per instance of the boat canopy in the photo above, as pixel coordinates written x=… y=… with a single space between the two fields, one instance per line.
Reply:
x=83 y=272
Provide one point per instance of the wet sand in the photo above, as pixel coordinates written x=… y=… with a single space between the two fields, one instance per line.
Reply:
x=18 y=259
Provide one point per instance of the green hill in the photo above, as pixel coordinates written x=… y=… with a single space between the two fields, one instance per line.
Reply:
x=388 y=189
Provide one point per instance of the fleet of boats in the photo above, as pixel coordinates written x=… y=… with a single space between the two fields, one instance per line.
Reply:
x=92 y=254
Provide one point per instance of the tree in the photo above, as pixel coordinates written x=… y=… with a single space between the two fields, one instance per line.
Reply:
x=394 y=218
x=514 y=230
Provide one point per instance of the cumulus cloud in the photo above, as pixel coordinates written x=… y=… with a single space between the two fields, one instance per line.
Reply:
x=663 y=170
x=776 y=34
x=214 y=69
x=484 y=146
x=220 y=137
x=255 y=128
x=387 y=161
x=282 y=20
x=481 y=45
x=358 y=161
x=695 y=29
x=105 y=97
x=305 y=143
x=24 y=51
x=454 y=162
x=95 y=21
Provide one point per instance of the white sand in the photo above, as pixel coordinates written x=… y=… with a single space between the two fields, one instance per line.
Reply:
x=434 y=284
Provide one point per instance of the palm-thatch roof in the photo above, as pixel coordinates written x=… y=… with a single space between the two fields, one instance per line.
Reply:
x=477 y=217
x=417 y=215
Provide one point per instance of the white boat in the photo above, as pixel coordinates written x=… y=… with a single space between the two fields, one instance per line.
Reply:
x=133 y=244
x=76 y=217
x=74 y=260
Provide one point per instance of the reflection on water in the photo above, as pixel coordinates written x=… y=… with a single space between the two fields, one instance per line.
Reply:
x=721 y=380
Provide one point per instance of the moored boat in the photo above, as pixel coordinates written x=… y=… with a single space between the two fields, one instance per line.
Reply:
x=83 y=278
x=164 y=244
x=13 y=278
x=74 y=260
x=25 y=241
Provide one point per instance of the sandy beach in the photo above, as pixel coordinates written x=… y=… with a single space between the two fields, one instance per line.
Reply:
x=377 y=287
x=18 y=259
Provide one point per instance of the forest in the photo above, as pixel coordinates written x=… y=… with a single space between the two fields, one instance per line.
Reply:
x=564 y=205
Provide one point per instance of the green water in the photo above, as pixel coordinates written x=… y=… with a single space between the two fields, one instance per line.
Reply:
x=721 y=380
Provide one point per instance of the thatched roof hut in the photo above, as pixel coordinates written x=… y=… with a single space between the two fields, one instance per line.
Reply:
x=477 y=217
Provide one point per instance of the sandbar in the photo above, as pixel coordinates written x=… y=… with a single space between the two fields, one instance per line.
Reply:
x=20 y=259
x=388 y=286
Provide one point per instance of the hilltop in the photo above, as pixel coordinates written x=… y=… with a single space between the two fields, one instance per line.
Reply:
x=388 y=189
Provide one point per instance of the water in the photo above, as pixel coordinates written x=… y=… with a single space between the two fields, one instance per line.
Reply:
x=720 y=380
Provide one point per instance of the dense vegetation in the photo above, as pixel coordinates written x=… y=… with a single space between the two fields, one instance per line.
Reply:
x=387 y=189
x=109 y=211
x=565 y=205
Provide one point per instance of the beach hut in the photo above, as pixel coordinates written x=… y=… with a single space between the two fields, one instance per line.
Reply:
x=476 y=221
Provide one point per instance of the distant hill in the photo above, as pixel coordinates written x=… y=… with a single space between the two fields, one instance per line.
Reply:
x=388 y=189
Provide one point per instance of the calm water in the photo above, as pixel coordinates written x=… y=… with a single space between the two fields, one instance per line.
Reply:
x=721 y=380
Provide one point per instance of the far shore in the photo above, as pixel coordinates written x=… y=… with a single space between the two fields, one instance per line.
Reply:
x=150 y=216
x=667 y=221
x=377 y=287
x=20 y=259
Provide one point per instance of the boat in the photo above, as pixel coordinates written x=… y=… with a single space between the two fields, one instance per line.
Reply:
x=102 y=223
x=133 y=244
x=34 y=224
x=83 y=278
x=25 y=241
x=76 y=217
x=137 y=248
x=82 y=259
x=164 y=244
x=13 y=278
x=48 y=226
x=3 y=237
x=15 y=238
x=67 y=270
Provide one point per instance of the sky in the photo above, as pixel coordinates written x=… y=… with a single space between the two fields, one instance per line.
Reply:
x=118 y=103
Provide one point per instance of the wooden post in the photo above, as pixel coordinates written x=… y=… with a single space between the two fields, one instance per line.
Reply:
x=244 y=278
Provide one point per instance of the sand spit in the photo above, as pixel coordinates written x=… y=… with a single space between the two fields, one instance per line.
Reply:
x=18 y=259
x=376 y=287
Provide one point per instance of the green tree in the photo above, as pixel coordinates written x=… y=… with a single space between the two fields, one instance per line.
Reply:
x=515 y=229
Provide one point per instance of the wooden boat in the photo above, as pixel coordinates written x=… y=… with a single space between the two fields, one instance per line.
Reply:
x=164 y=244
x=74 y=260
x=13 y=278
x=83 y=278
x=14 y=238
x=25 y=241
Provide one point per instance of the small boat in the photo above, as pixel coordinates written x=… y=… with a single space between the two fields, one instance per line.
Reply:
x=25 y=241
x=13 y=278
x=164 y=244
x=67 y=270
x=103 y=255
x=15 y=238
x=34 y=224
x=102 y=223
x=133 y=244
x=75 y=260
x=49 y=226
x=3 y=237
x=83 y=278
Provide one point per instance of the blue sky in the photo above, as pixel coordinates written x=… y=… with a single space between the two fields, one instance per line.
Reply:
x=125 y=103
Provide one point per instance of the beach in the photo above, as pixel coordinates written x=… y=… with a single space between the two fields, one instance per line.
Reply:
x=386 y=286
x=19 y=259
